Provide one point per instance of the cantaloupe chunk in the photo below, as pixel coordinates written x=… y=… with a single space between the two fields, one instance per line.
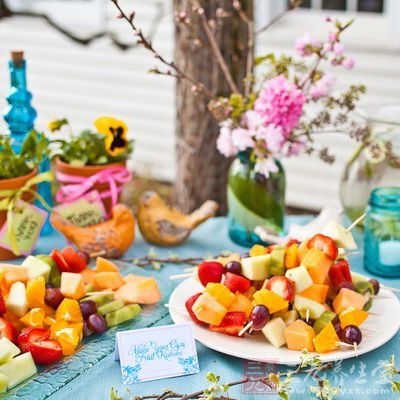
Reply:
x=241 y=303
x=107 y=280
x=72 y=285
x=35 y=292
x=208 y=310
x=327 y=340
x=316 y=292
x=347 y=298
x=104 y=265
x=88 y=275
x=14 y=273
x=221 y=293
x=134 y=278
x=303 y=248
x=351 y=316
x=299 y=336
x=271 y=300
x=144 y=292
x=317 y=264
x=292 y=259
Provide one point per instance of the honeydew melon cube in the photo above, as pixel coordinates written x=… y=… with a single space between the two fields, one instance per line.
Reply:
x=277 y=262
x=300 y=277
x=302 y=304
x=5 y=355
x=339 y=234
x=17 y=301
x=19 y=369
x=274 y=332
x=36 y=267
x=6 y=343
x=3 y=383
x=256 y=268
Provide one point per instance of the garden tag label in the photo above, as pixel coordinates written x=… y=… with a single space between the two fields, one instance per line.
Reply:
x=156 y=353
x=88 y=210
x=27 y=221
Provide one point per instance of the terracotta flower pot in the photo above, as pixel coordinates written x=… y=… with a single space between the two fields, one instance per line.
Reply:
x=14 y=183
x=87 y=171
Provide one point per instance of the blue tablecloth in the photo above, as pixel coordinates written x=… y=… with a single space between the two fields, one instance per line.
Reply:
x=359 y=377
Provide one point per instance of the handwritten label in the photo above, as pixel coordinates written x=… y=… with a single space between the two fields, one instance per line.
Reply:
x=86 y=211
x=28 y=221
x=156 y=353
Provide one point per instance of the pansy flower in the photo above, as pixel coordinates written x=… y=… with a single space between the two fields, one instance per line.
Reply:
x=115 y=130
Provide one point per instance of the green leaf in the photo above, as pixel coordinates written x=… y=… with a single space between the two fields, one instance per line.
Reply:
x=114 y=395
x=395 y=386
x=267 y=57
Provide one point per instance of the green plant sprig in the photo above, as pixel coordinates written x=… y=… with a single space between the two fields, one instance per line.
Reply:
x=391 y=372
x=13 y=164
x=280 y=382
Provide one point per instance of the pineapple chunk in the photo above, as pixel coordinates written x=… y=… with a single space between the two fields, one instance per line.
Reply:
x=302 y=304
x=256 y=268
x=17 y=301
x=273 y=331
x=339 y=234
x=208 y=310
x=300 y=277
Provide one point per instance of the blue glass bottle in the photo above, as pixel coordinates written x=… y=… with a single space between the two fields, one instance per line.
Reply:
x=20 y=117
x=382 y=232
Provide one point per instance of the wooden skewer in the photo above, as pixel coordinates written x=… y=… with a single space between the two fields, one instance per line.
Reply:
x=356 y=222
x=180 y=276
x=191 y=269
x=97 y=253
x=246 y=328
x=307 y=315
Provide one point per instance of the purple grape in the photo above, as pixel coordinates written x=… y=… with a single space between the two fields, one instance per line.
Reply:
x=49 y=286
x=87 y=331
x=234 y=267
x=346 y=285
x=85 y=256
x=351 y=334
x=97 y=323
x=88 y=308
x=336 y=324
x=376 y=285
x=53 y=297
x=259 y=316
x=310 y=322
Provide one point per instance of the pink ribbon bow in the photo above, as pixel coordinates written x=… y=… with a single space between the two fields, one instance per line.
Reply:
x=78 y=186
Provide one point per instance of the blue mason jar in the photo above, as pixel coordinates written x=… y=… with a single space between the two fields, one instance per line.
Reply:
x=382 y=232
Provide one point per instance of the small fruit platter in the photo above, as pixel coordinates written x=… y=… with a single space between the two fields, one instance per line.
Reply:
x=276 y=301
x=58 y=317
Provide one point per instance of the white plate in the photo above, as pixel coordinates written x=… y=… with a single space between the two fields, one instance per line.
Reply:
x=377 y=330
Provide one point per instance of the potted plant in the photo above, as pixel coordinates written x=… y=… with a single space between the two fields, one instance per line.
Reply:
x=16 y=171
x=92 y=161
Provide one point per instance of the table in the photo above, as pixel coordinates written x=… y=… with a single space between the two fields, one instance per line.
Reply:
x=359 y=378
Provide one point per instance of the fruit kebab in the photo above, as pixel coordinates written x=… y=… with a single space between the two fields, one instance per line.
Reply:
x=302 y=295
x=50 y=303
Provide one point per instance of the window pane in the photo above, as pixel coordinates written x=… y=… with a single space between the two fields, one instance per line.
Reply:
x=334 y=4
x=370 y=5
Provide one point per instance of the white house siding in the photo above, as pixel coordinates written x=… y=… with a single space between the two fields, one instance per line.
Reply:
x=82 y=83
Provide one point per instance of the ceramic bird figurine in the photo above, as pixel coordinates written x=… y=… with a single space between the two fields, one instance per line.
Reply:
x=111 y=238
x=165 y=225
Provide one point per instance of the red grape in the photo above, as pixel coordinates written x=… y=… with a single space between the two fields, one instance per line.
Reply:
x=85 y=256
x=235 y=267
x=88 y=308
x=87 y=331
x=97 y=323
x=53 y=297
x=336 y=324
x=346 y=285
x=376 y=285
x=259 y=316
x=351 y=334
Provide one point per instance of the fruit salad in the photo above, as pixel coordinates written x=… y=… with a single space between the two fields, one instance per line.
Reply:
x=50 y=303
x=300 y=295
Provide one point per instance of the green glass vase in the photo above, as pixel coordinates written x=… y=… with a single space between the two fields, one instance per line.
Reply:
x=254 y=200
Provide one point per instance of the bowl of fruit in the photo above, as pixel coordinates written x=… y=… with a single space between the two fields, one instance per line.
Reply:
x=58 y=317
x=274 y=302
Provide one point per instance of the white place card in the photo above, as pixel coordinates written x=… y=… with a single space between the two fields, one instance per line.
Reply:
x=156 y=353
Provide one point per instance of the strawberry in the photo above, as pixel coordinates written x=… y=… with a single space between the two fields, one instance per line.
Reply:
x=8 y=330
x=46 y=352
x=210 y=271
x=59 y=259
x=232 y=323
x=76 y=263
x=282 y=286
x=32 y=335
x=3 y=309
x=325 y=244
x=339 y=274
x=189 y=304
x=236 y=283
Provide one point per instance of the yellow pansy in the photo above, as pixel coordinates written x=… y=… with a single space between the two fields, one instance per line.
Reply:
x=115 y=130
